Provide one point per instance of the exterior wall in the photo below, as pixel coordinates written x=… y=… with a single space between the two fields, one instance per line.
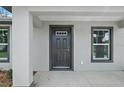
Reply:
x=21 y=50
x=31 y=48
x=41 y=48
x=82 y=46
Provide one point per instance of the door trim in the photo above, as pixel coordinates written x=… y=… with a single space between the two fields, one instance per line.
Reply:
x=72 y=45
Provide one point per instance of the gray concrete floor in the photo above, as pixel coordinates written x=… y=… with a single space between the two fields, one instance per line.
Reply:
x=79 y=79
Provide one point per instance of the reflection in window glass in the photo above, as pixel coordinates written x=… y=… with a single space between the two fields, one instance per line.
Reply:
x=3 y=35
x=101 y=36
x=100 y=51
x=101 y=44
x=4 y=53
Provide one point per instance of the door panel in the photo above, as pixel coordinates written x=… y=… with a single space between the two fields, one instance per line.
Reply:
x=61 y=55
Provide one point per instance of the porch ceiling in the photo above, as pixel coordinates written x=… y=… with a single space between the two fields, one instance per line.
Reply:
x=81 y=14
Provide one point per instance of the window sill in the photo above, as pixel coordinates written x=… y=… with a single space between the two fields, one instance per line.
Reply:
x=4 y=61
x=101 y=61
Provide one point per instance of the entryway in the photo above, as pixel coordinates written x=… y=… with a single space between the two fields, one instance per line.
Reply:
x=79 y=79
x=61 y=47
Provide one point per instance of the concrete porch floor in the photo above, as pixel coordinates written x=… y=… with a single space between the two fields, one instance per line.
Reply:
x=79 y=79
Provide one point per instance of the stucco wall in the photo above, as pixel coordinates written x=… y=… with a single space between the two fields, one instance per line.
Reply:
x=82 y=46
x=22 y=33
x=41 y=48
x=33 y=46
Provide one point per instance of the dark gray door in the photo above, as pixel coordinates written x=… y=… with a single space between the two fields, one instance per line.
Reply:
x=61 y=48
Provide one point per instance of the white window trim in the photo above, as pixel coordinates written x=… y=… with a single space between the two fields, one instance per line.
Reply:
x=3 y=58
x=4 y=44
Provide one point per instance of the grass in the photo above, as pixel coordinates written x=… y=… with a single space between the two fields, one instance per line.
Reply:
x=3 y=54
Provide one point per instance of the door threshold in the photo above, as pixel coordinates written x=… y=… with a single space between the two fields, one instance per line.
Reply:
x=61 y=69
x=64 y=67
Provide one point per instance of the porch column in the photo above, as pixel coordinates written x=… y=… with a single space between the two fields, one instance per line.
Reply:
x=21 y=35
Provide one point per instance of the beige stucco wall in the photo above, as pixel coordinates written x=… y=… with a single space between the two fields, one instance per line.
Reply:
x=82 y=46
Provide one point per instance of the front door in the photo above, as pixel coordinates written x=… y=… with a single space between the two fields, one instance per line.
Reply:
x=61 y=47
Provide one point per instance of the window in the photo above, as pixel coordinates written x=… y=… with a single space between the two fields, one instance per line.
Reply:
x=4 y=43
x=61 y=33
x=101 y=44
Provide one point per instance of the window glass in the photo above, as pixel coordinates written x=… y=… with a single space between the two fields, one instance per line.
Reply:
x=101 y=44
x=3 y=35
x=101 y=36
x=4 y=44
x=100 y=51
x=4 y=52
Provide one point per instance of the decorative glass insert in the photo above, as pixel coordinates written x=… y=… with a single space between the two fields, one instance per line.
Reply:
x=61 y=33
x=4 y=36
x=101 y=43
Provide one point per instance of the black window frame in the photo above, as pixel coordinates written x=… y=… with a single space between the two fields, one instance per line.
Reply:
x=6 y=26
x=110 y=60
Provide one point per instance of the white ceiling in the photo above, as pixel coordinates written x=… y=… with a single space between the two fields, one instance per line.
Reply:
x=80 y=13
x=80 y=18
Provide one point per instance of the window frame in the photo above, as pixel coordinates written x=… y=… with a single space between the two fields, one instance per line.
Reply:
x=110 y=45
x=6 y=26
